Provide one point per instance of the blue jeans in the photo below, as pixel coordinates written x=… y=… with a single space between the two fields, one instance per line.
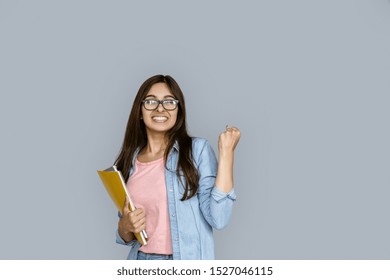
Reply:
x=146 y=256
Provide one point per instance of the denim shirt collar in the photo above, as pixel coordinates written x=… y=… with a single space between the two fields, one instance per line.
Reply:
x=176 y=145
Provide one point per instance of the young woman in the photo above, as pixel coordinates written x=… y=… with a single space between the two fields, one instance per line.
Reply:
x=180 y=191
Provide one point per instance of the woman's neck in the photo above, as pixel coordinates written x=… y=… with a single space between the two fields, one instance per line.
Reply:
x=156 y=145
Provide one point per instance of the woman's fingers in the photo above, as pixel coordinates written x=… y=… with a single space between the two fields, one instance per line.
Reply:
x=136 y=220
x=231 y=128
x=139 y=226
x=229 y=138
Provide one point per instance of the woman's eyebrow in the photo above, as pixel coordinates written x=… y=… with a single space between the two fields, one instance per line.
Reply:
x=166 y=96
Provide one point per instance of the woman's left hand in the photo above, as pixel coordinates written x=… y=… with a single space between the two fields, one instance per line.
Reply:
x=228 y=139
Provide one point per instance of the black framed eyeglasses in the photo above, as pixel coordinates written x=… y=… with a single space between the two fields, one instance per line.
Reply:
x=152 y=104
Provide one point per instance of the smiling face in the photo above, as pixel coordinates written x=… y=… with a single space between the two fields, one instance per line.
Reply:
x=159 y=120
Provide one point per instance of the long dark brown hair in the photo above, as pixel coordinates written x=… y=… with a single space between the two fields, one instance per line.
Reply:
x=136 y=137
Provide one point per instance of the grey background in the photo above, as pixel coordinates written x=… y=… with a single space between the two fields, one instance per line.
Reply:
x=307 y=82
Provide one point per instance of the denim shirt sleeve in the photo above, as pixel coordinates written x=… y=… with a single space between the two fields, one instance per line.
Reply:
x=216 y=205
x=119 y=240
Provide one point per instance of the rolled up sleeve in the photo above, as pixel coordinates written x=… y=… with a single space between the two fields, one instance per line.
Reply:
x=220 y=196
x=120 y=240
x=216 y=205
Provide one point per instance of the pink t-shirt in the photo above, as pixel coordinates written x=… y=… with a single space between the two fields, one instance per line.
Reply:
x=148 y=191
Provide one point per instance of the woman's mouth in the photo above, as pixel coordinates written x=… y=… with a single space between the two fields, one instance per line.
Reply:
x=159 y=119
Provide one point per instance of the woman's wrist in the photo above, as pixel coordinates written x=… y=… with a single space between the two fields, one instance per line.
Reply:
x=224 y=180
x=126 y=235
x=226 y=154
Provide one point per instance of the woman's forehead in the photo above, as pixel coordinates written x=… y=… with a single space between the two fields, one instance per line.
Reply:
x=159 y=90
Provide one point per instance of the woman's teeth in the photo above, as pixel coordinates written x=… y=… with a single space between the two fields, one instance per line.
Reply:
x=159 y=119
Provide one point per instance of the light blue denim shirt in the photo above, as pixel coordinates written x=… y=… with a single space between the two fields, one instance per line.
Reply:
x=192 y=221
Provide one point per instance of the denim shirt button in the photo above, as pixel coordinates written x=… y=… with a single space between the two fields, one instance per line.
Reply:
x=173 y=215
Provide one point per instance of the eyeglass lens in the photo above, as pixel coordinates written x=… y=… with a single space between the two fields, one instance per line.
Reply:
x=167 y=104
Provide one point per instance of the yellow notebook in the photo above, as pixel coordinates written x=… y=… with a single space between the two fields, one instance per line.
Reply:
x=115 y=186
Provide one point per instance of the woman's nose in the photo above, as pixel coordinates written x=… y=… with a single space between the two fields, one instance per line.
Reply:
x=160 y=108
